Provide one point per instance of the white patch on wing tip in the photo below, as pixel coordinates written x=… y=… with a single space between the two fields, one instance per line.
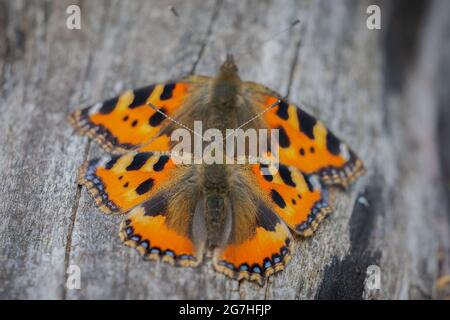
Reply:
x=345 y=153
x=314 y=180
x=95 y=108
x=103 y=161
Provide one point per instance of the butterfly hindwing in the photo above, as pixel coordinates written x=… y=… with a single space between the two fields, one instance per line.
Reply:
x=148 y=229
x=265 y=251
x=119 y=183
x=127 y=122
x=305 y=142
x=259 y=243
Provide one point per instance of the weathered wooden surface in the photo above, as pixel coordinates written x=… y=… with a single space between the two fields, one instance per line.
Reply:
x=381 y=91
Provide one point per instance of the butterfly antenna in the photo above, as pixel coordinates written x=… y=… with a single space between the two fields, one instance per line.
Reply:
x=270 y=38
x=184 y=24
x=156 y=109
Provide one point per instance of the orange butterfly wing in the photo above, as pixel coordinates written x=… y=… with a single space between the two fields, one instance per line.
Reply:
x=299 y=199
x=127 y=122
x=305 y=142
x=141 y=184
x=147 y=229
x=264 y=253
x=119 y=183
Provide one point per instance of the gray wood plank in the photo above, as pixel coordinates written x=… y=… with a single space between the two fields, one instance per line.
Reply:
x=331 y=64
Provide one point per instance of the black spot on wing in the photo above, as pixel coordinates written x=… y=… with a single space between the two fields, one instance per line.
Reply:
x=278 y=199
x=140 y=96
x=285 y=175
x=283 y=138
x=108 y=106
x=306 y=123
x=145 y=186
x=308 y=183
x=282 y=110
x=266 y=218
x=139 y=160
x=85 y=112
x=111 y=162
x=167 y=91
x=264 y=170
x=333 y=143
x=159 y=165
x=157 y=118
x=157 y=205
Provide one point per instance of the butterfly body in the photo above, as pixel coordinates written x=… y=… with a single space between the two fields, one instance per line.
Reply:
x=216 y=204
x=175 y=211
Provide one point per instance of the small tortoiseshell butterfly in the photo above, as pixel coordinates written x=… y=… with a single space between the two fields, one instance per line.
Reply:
x=175 y=212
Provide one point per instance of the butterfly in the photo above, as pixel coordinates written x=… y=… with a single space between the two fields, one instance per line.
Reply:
x=176 y=212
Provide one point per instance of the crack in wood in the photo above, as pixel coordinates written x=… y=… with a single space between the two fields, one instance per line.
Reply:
x=209 y=31
x=293 y=64
x=37 y=70
x=73 y=217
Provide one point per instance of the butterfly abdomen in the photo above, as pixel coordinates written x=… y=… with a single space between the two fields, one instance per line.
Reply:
x=215 y=218
x=215 y=191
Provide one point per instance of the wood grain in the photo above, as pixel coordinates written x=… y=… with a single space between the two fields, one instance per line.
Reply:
x=382 y=91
